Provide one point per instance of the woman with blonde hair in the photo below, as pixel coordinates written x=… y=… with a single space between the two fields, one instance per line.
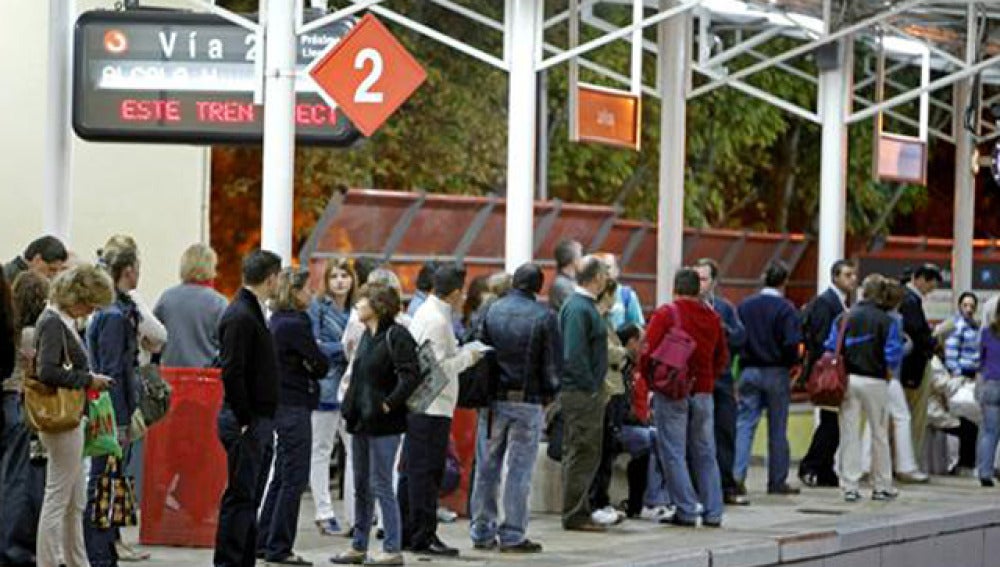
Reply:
x=61 y=361
x=301 y=365
x=191 y=311
x=329 y=313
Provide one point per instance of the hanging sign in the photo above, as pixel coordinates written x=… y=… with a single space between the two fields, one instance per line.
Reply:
x=368 y=74
x=902 y=159
x=608 y=116
x=186 y=78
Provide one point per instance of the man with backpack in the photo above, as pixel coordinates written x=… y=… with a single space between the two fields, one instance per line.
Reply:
x=525 y=336
x=774 y=331
x=816 y=468
x=685 y=351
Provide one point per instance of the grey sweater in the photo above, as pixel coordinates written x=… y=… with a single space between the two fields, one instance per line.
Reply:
x=191 y=314
x=54 y=345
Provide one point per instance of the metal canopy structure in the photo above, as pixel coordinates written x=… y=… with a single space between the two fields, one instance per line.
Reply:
x=919 y=61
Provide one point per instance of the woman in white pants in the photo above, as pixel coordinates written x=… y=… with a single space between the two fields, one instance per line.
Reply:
x=330 y=312
x=904 y=463
x=872 y=347
x=61 y=361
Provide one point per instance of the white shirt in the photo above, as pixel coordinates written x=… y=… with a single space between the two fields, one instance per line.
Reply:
x=772 y=291
x=432 y=322
x=840 y=295
x=584 y=292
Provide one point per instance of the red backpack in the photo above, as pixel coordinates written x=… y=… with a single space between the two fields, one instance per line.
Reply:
x=667 y=371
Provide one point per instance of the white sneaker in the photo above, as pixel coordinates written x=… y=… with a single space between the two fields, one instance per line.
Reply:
x=607 y=516
x=446 y=516
x=658 y=514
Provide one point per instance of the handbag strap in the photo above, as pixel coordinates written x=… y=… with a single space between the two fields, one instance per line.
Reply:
x=842 y=332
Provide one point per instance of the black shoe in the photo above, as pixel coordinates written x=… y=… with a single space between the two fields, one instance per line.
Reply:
x=884 y=495
x=785 y=490
x=526 y=546
x=711 y=523
x=485 y=545
x=986 y=482
x=260 y=554
x=734 y=499
x=437 y=548
x=678 y=521
x=291 y=559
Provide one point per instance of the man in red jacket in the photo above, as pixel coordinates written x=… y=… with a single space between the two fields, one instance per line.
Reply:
x=689 y=423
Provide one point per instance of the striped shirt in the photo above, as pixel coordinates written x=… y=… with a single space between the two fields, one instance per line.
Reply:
x=961 y=349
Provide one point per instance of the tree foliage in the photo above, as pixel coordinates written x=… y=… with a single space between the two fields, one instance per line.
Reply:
x=749 y=165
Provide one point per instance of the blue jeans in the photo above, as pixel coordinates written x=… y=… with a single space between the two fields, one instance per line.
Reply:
x=762 y=388
x=279 y=518
x=514 y=433
x=638 y=441
x=374 y=458
x=988 y=393
x=686 y=433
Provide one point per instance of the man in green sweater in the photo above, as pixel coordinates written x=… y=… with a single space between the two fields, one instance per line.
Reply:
x=585 y=355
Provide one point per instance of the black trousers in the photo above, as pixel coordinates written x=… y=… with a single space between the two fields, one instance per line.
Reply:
x=22 y=487
x=724 y=398
x=424 y=454
x=279 y=518
x=638 y=476
x=819 y=458
x=248 y=460
x=968 y=434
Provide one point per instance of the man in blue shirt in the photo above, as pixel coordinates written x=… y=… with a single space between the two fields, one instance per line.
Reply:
x=774 y=331
x=724 y=394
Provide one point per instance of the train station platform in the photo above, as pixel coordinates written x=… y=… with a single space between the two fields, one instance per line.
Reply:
x=950 y=522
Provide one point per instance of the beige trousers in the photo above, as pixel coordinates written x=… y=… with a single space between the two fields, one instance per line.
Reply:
x=60 y=526
x=869 y=395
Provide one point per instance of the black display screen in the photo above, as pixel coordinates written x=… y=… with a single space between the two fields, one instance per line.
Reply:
x=186 y=78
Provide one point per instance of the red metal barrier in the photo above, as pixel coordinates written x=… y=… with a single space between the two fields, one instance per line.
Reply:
x=463 y=431
x=185 y=464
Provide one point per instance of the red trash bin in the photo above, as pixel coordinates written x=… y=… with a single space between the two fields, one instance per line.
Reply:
x=185 y=464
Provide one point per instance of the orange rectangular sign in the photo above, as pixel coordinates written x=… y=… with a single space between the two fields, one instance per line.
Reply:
x=608 y=116
x=902 y=159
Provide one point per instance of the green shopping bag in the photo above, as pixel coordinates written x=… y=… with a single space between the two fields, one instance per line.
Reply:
x=101 y=432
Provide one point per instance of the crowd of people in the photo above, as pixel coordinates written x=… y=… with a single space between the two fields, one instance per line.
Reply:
x=310 y=362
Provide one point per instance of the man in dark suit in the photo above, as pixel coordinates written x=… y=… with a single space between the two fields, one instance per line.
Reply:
x=925 y=280
x=724 y=393
x=246 y=422
x=816 y=468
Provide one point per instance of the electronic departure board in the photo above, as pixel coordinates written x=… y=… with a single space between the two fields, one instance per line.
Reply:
x=186 y=78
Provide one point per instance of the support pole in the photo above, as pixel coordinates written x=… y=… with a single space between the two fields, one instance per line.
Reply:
x=965 y=182
x=57 y=174
x=523 y=24
x=835 y=89
x=279 y=129
x=543 y=137
x=674 y=41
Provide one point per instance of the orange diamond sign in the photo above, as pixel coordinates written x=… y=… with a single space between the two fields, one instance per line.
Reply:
x=368 y=74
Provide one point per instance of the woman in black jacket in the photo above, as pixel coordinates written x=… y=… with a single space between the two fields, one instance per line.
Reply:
x=385 y=374
x=61 y=361
x=300 y=367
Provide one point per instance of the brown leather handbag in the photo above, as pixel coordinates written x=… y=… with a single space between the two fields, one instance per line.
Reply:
x=51 y=409
x=827 y=384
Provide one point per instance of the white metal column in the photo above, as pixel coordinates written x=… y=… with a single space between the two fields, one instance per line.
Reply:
x=521 y=50
x=674 y=41
x=279 y=129
x=835 y=87
x=57 y=174
x=965 y=182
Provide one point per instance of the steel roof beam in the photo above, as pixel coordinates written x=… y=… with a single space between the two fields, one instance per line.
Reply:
x=929 y=45
x=916 y=93
x=760 y=94
x=810 y=46
x=622 y=32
